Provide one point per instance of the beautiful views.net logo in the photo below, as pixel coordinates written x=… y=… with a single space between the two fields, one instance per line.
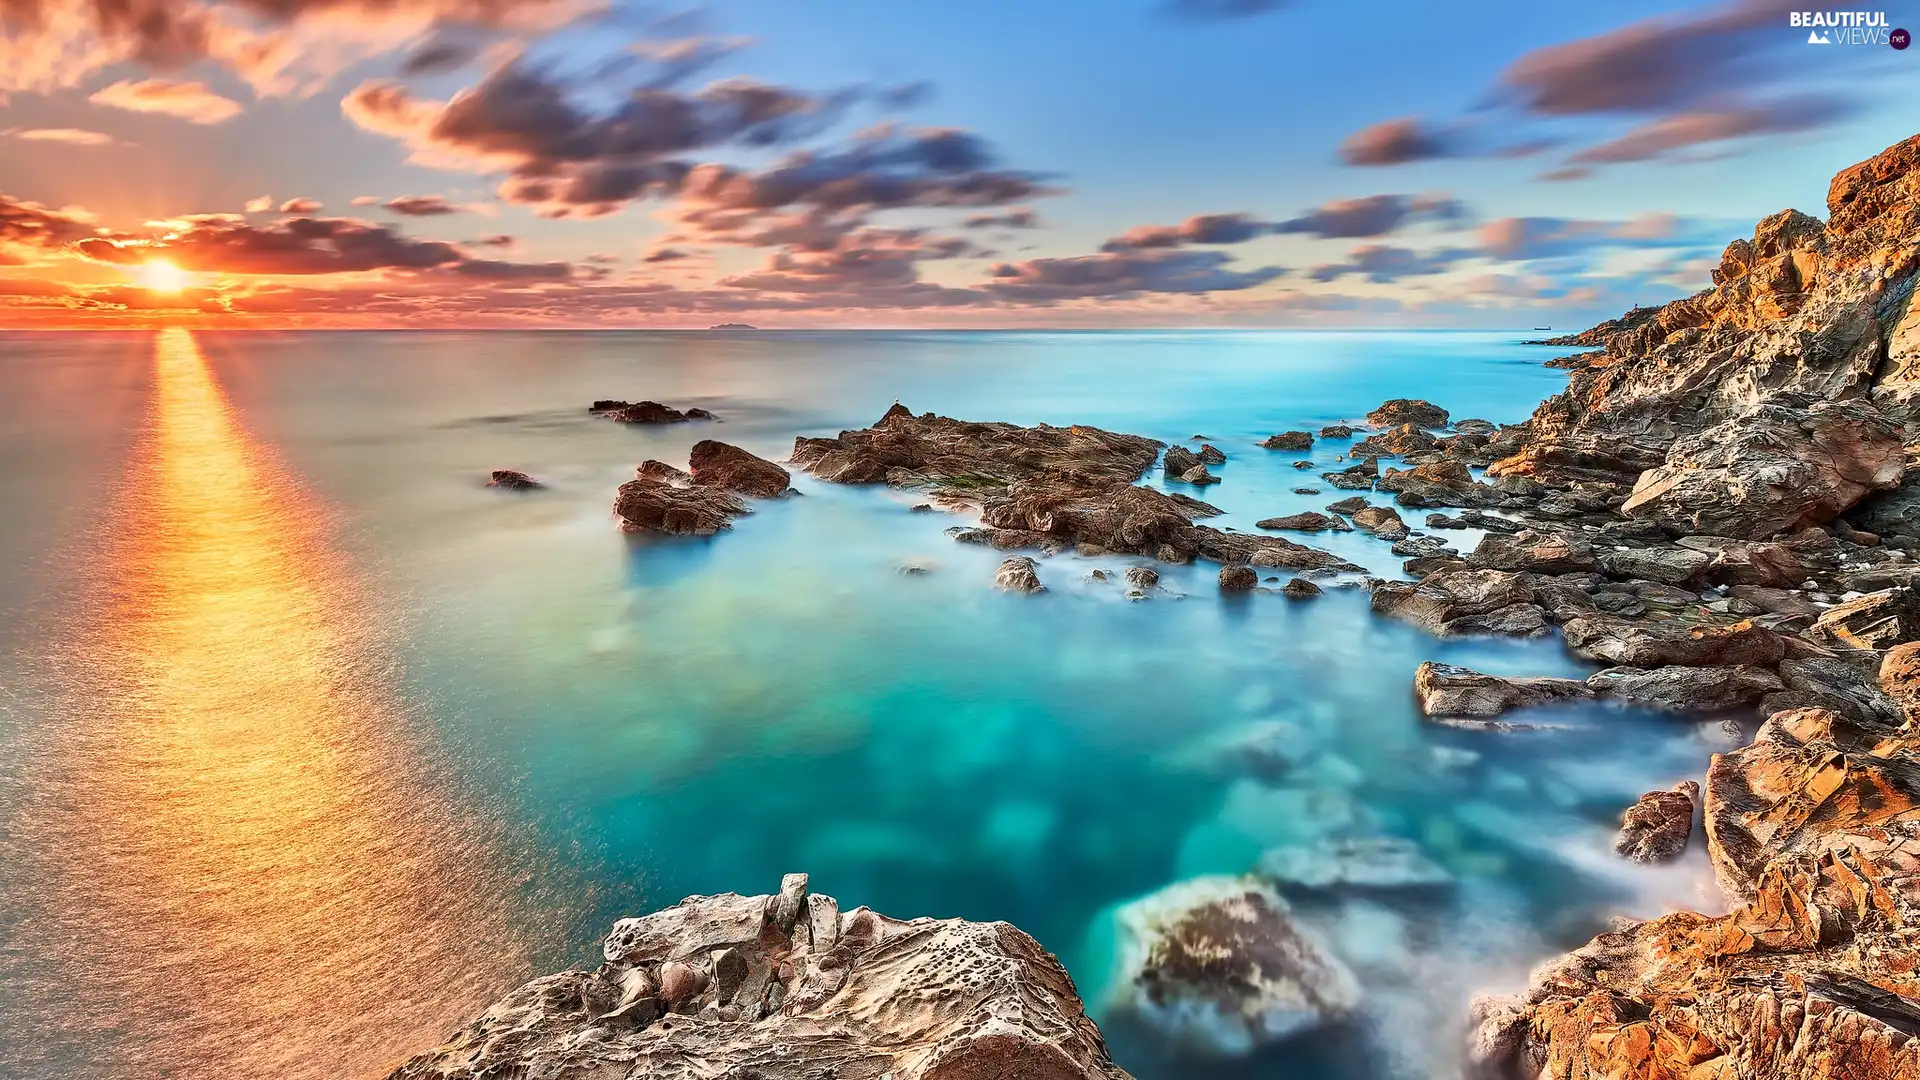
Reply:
x=1844 y=27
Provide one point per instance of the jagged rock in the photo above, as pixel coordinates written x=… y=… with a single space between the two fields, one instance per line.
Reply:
x=848 y=995
x=1397 y=442
x=722 y=465
x=1877 y=620
x=1199 y=475
x=1439 y=483
x=1780 y=466
x=1354 y=864
x=1473 y=519
x=1180 y=460
x=1336 y=431
x=1668 y=565
x=1471 y=426
x=1382 y=521
x=1238 y=578
x=513 y=480
x=1841 y=685
x=1219 y=966
x=1900 y=679
x=1660 y=644
x=1142 y=577
x=1534 y=552
x=1445 y=690
x=660 y=470
x=970 y=460
x=1408 y=411
x=1657 y=827
x=1018 y=574
x=1350 y=505
x=1423 y=547
x=1289 y=440
x=646 y=412
x=1457 y=601
x=1211 y=455
x=1308 y=521
x=1300 y=589
x=1358 y=477
x=1741 y=562
x=648 y=505
x=1684 y=689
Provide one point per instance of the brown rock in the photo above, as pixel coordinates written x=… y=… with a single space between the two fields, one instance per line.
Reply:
x=1445 y=690
x=724 y=466
x=1657 y=827
x=1382 y=521
x=1238 y=578
x=1018 y=574
x=1900 y=678
x=1659 y=644
x=647 y=505
x=1531 y=551
x=1877 y=620
x=1289 y=440
x=1681 y=688
x=1408 y=411
x=513 y=480
x=1300 y=589
x=1308 y=521
x=1396 y=442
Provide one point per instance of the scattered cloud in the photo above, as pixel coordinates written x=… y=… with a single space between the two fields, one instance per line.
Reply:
x=1395 y=142
x=1215 y=10
x=1386 y=263
x=69 y=136
x=1374 y=215
x=306 y=246
x=300 y=206
x=31 y=225
x=422 y=205
x=1684 y=130
x=261 y=205
x=190 y=101
x=1019 y=217
x=664 y=255
x=1121 y=274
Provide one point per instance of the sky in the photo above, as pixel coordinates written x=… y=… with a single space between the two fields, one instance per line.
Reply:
x=911 y=163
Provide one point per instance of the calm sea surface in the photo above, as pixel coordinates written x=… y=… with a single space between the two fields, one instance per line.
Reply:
x=311 y=745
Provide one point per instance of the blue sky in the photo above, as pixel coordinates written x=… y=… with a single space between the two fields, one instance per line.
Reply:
x=1680 y=125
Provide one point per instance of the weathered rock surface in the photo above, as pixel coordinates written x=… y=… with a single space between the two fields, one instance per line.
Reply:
x=1289 y=440
x=1238 y=578
x=645 y=412
x=1219 y=966
x=1656 y=827
x=1681 y=688
x=1300 y=589
x=1382 y=521
x=513 y=480
x=1446 y=690
x=1308 y=521
x=648 y=505
x=1659 y=644
x=1408 y=411
x=1536 y=552
x=1461 y=601
x=1397 y=442
x=788 y=987
x=722 y=465
x=1336 y=431
x=1878 y=620
x=1018 y=574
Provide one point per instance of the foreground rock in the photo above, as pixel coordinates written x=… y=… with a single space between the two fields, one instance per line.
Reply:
x=1018 y=574
x=1445 y=690
x=722 y=465
x=1049 y=488
x=645 y=504
x=1408 y=411
x=513 y=480
x=1218 y=966
x=1656 y=828
x=787 y=987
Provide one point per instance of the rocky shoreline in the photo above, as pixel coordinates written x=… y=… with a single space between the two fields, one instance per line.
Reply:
x=1720 y=510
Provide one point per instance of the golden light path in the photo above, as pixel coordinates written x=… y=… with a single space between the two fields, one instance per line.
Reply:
x=277 y=884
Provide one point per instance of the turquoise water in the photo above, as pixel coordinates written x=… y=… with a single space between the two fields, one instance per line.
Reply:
x=594 y=725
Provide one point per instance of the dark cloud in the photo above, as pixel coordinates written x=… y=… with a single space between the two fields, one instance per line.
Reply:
x=1018 y=218
x=1210 y=10
x=29 y=224
x=1373 y=215
x=1395 y=142
x=664 y=255
x=422 y=206
x=1121 y=274
x=438 y=55
x=304 y=245
x=1233 y=228
x=496 y=240
x=1649 y=66
x=1386 y=263
x=907 y=95
x=1661 y=137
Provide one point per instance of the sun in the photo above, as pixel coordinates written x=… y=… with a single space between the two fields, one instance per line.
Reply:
x=161 y=275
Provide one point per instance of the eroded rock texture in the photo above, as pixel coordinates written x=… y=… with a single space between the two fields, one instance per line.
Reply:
x=787 y=987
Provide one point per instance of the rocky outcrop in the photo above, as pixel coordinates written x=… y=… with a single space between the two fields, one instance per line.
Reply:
x=1289 y=440
x=645 y=412
x=1219 y=966
x=788 y=986
x=1300 y=589
x=1680 y=688
x=1307 y=521
x=1018 y=574
x=1656 y=828
x=513 y=480
x=722 y=465
x=1408 y=411
x=1658 y=644
x=648 y=505
x=1445 y=690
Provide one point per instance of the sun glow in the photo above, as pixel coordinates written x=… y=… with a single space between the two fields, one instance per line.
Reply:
x=161 y=275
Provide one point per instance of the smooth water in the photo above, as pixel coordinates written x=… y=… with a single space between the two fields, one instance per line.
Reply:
x=312 y=744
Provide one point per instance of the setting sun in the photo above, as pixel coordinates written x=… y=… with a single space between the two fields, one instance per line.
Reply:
x=160 y=275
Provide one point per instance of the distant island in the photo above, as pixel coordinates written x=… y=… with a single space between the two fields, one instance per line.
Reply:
x=733 y=326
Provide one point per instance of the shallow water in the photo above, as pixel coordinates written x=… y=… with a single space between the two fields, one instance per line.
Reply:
x=312 y=744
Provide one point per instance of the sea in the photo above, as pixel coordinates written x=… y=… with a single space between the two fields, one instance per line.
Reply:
x=312 y=744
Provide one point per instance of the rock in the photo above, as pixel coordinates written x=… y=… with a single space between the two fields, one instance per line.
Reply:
x=1382 y=521
x=1660 y=644
x=1423 y=547
x=1289 y=440
x=971 y=460
x=1397 y=442
x=1354 y=864
x=1306 y=491
x=646 y=412
x=1303 y=463
x=1682 y=689
x=1300 y=589
x=1238 y=578
x=1359 y=477
x=513 y=480
x=1199 y=475
x=648 y=505
x=922 y=1000
x=1350 y=505
x=1445 y=690
x=1211 y=455
x=1877 y=620
x=1336 y=431
x=729 y=468
x=1180 y=460
x=1657 y=827
x=1475 y=427
x=1408 y=411
x=660 y=470
x=1533 y=552
x=1305 y=522
x=1462 y=601
x=1218 y=966
x=1900 y=679
x=1669 y=565
x=1740 y=562
x=1018 y=574
x=1439 y=483
x=1142 y=577
x=1473 y=519
x=1782 y=465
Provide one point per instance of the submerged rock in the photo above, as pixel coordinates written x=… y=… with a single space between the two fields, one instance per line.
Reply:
x=1408 y=411
x=1018 y=574
x=1354 y=864
x=1238 y=578
x=1684 y=689
x=648 y=505
x=1289 y=440
x=1300 y=589
x=646 y=412
x=1446 y=690
x=1219 y=966
x=1309 y=521
x=1656 y=828
x=788 y=986
x=513 y=480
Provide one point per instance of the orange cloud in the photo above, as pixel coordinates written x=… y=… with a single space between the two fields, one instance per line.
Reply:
x=190 y=101
x=70 y=136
